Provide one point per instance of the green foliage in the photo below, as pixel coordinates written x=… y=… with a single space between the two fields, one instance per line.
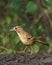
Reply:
x=48 y=39
x=49 y=2
x=41 y=28
x=31 y=7
x=5 y=40
x=27 y=14
x=36 y=48
x=8 y=20
x=15 y=4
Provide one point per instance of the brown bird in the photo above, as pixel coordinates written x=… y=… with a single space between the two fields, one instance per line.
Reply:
x=26 y=38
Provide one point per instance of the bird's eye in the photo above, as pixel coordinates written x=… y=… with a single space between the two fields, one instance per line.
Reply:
x=15 y=28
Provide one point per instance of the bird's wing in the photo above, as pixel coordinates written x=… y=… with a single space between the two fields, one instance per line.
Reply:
x=29 y=36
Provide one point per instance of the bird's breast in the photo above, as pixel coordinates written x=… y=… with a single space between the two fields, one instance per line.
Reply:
x=24 y=39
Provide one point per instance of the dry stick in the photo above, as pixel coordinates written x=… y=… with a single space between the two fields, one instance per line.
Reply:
x=47 y=14
x=50 y=48
x=44 y=12
x=3 y=48
x=36 y=20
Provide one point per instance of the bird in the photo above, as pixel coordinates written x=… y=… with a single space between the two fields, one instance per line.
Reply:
x=25 y=37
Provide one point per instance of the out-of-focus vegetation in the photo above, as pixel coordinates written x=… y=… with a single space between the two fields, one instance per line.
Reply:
x=35 y=16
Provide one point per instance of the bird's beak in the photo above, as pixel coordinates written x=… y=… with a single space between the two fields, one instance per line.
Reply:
x=12 y=29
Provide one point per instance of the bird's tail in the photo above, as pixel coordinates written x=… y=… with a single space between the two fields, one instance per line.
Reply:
x=44 y=43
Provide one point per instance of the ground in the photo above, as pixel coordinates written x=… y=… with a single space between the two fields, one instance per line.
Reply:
x=25 y=59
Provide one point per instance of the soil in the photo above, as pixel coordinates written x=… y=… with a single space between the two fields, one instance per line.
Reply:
x=25 y=59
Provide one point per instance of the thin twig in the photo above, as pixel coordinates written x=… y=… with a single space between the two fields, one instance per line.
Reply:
x=3 y=48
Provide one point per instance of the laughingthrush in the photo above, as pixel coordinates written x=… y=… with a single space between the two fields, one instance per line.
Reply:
x=26 y=38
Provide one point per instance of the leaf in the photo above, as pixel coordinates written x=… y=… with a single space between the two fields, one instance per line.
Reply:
x=22 y=23
x=10 y=51
x=5 y=40
x=31 y=7
x=41 y=28
x=36 y=48
x=48 y=39
x=15 y=4
x=8 y=20
x=46 y=48
x=49 y=2
x=16 y=39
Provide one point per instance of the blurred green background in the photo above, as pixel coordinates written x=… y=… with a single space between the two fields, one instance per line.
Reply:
x=35 y=16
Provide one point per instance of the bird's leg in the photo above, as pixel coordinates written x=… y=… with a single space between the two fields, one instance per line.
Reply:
x=25 y=49
x=31 y=49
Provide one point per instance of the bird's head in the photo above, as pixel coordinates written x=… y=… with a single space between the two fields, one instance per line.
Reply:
x=18 y=29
